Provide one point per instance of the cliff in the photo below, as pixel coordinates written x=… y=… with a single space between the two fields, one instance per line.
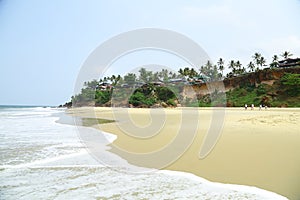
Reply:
x=261 y=87
x=266 y=76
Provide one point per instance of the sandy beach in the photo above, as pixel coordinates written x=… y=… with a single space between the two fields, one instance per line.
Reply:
x=258 y=148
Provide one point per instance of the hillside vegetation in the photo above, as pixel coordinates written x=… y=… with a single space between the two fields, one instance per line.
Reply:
x=272 y=88
x=275 y=86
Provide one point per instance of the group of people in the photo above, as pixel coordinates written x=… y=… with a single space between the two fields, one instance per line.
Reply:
x=252 y=107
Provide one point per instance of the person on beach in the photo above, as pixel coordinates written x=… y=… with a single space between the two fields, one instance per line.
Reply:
x=252 y=106
x=260 y=107
x=246 y=106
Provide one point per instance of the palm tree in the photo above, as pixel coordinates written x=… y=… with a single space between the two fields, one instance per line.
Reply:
x=181 y=72
x=143 y=75
x=92 y=84
x=186 y=71
x=193 y=73
x=243 y=70
x=112 y=78
x=232 y=66
x=251 y=66
x=262 y=61
x=214 y=73
x=221 y=65
x=130 y=79
x=275 y=58
x=115 y=80
x=286 y=55
x=238 y=66
x=257 y=58
x=274 y=62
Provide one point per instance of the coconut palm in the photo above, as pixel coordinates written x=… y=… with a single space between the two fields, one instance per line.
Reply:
x=275 y=58
x=92 y=84
x=130 y=79
x=257 y=58
x=181 y=72
x=193 y=73
x=274 y=62
x=262 y=61
x=112 y=78
x=186 y=71
x=251 y=66
x=243 y=70
x=144 y=75
x=238 y=66
x=286 y=55
x=232 y=65
x=221 y=65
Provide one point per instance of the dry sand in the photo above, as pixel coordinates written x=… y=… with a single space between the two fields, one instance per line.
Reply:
x=259 y=148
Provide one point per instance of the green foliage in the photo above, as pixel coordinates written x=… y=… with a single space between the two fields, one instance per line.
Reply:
x=150 y=95
x=92 y=84
x=292 y=83
x=145 y=75
x=261 y=89
x=102 y=97
x=171 y=102
x=211 y=71
x=164 y=94
x=240 y=96
x=140 y=99
x=130 y=79
x=202 y=103
x=87 y=95
x=247 y=86
x=188 y=72
x=284 y=92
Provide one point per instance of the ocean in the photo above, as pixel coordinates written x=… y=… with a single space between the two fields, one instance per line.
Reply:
x=43 y=159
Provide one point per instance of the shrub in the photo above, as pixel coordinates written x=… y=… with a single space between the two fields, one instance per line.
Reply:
x=261 y=89
x=164 y=94
x=102 y=97
x=139 y=99
x=171 y=102
x=292 y=83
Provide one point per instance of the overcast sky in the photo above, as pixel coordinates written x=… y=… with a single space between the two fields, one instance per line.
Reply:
x=43 y=44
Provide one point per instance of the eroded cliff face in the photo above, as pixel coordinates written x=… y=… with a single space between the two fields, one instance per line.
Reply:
x=266 y=76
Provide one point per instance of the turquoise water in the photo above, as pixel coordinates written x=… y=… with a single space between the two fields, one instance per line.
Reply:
x=22 y=106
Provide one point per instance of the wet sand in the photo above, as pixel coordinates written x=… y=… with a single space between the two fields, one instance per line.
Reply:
x=259 y=148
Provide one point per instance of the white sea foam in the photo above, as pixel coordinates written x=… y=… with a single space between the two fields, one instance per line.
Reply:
x=221 y=187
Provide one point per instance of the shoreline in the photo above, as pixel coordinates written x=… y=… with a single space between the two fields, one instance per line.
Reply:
x=213 y=160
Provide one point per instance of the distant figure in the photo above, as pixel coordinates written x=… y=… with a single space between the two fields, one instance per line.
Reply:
x=252 y=106
x=246 y=106
x=260 y=107
x=266 y=107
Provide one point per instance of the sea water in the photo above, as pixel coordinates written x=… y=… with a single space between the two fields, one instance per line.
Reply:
x=43 y=159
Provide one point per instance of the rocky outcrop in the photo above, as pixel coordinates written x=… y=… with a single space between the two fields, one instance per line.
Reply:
x=266 y=76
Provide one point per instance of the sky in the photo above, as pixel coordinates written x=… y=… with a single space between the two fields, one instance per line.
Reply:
x=44 y=44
